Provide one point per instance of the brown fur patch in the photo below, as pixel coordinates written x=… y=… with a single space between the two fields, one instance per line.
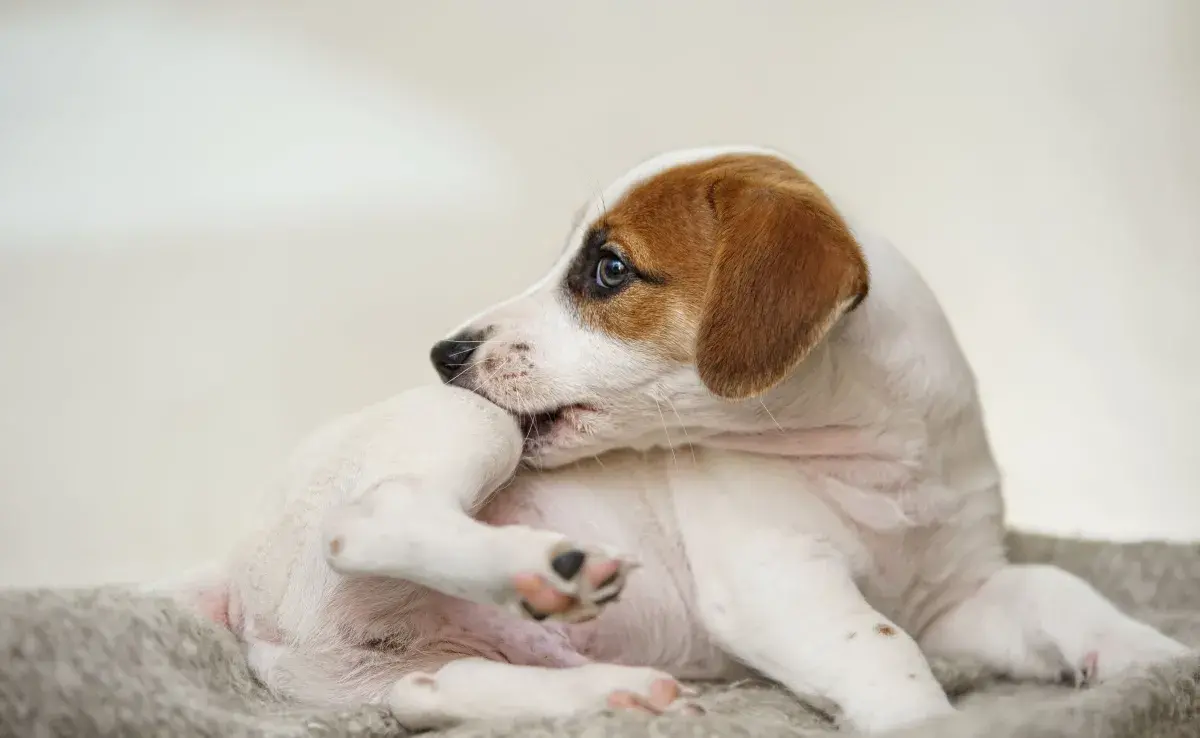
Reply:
x=755 y=266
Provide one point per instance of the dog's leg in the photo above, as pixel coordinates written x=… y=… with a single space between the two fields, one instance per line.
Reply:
x=479 y=689
x=807 y=626
x=775 y=587
x=439 y=457
x=395 y=531
x=435 y=689
x=1040 y=622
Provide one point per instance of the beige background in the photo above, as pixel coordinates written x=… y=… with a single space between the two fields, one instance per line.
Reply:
x=221 y=225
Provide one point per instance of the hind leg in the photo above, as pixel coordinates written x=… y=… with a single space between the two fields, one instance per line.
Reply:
x=339 y=675
x=436 y=462
x=1040 y=622
x=444 y=689
x=478 y=689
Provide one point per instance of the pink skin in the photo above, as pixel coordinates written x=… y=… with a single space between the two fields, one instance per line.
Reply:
x=545 y=599
x=662 y=694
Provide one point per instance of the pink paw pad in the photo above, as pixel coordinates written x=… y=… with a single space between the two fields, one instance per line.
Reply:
x=664 y=695
x=578 y=585
x=1089 y=669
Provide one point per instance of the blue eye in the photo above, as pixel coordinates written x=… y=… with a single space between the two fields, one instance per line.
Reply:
x=611 y=272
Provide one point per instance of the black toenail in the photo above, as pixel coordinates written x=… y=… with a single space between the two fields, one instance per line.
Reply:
x=568 y=564
x=612 y=579
x=533 y=613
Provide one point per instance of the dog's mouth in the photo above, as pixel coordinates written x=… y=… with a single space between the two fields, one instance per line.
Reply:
x=538 y=427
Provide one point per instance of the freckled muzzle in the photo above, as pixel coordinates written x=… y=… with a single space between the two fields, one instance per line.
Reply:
x=451 y=358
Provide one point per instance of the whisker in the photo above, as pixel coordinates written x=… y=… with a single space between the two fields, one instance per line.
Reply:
x=479 y=382
x=512 y=478
x=503 y=365
x=464 y=370
x=663 y=418
x=476 y=344
x=769 y=415
x=529 y=429
x=682 y=426
x=465 y=367
x=533 y=427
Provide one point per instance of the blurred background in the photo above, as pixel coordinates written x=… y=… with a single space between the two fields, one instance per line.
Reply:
x=222 y=223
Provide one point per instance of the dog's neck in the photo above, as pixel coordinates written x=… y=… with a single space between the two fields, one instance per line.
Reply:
x=834 y=403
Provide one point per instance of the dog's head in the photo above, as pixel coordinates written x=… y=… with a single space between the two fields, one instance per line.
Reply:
x=698 y=279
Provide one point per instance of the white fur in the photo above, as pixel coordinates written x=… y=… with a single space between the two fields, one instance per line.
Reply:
x=824 y=534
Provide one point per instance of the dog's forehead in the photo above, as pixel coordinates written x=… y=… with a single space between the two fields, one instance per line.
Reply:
x=612 y=195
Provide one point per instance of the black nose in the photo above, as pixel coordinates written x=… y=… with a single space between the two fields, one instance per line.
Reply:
x=451 y=356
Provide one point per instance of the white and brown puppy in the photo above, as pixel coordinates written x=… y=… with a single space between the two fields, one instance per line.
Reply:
x=722 y=381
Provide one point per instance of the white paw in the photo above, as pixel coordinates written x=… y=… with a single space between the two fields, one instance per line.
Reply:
x=1117 y=652
x=657 y=695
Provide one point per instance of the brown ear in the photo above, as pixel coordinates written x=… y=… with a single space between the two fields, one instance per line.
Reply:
x=786 y=267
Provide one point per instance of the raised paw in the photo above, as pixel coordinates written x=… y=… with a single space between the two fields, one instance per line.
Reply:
x=536 y=573
x=575 y=586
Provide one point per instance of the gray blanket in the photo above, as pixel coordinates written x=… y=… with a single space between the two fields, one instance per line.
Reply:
x=105 y=662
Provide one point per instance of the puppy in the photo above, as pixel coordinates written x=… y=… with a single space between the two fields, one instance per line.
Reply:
x=721 y=381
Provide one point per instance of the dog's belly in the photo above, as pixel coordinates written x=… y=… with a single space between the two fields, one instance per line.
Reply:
x=623 y=502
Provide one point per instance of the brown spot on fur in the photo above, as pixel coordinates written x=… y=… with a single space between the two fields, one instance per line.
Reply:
x=335 y=546
x=752 y=266
x=884 y=629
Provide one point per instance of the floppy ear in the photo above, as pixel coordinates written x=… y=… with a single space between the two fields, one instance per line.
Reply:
x=786 y=267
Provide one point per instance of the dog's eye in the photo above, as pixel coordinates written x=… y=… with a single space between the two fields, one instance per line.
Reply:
x=611 y=272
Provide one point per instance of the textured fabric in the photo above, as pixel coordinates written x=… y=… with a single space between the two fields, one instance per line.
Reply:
x=105 y=662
